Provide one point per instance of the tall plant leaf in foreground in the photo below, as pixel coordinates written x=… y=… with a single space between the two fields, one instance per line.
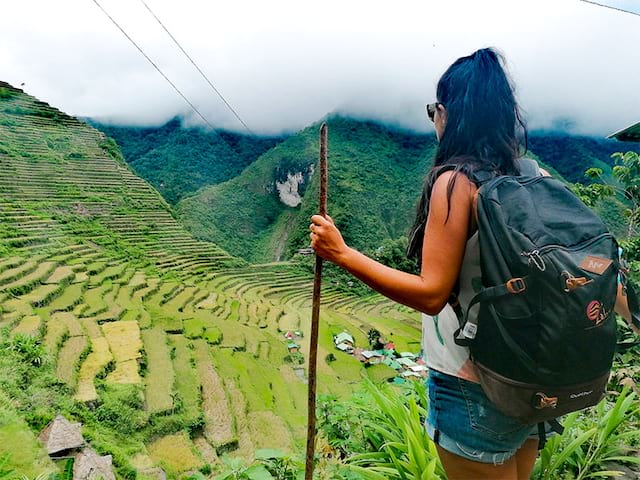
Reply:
x=393 y=426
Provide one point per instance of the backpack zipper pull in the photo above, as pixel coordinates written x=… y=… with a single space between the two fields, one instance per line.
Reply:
x=535 y=258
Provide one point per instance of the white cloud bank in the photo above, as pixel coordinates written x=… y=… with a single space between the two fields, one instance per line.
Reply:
x=284 y=64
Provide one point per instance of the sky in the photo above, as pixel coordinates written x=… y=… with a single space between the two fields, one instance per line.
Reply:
x=285 y=64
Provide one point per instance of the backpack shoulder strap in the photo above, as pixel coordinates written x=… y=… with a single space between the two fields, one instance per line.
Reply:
x=529 y=167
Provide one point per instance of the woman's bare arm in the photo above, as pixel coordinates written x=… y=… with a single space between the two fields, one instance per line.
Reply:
x=443 y=251
x=622 y=309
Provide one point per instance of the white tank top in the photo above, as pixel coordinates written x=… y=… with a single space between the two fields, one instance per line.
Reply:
x=438 y=348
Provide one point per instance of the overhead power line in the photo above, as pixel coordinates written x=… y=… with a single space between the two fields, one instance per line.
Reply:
x=197 y=67
x=611 y=7
x=154 y=65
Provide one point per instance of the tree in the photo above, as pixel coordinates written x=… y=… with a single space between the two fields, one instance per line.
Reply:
x=626 y=172
x=373 y=336
x=625 y=185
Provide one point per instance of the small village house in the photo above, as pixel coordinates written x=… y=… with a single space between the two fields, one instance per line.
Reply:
x=293 y=335
x=344 y=342
x=369 y=357
x=406 y=363
x=61 y=438
x=89 y=465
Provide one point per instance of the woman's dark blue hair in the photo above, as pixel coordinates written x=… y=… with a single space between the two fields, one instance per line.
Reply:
x=484 y=128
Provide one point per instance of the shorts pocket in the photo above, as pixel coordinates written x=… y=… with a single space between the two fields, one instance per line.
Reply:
x=485 y=418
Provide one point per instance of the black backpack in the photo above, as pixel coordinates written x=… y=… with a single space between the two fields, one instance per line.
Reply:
x=544 y=339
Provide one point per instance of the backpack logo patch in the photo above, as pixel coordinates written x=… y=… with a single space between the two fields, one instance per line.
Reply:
x=596 y=312
x=593 y=310
x=597 y=265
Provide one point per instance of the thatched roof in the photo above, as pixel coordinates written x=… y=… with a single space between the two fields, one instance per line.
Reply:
x=61 y=435
x=91 y=466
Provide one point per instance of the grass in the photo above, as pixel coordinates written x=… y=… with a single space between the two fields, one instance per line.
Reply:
x=27 y=456
x=175 y=453
x=160 y=376
x=219 y=428
x=125 y=345
x=69 y=358
x=61 y=275
x=94 y=300
x=99 y=358
x=29 y=325
x=380 y=373
x=27 y=282
x=187 y=383
x=43 y=295
x=193 y=327
x=71 y=296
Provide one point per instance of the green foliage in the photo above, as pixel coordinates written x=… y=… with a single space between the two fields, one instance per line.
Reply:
x=363 y=157
x=67 y=473
x=592 y=441
x=6 y=93
x=625 y=188
x=28 y=349
x=393 y=253
x=295 y=358
x=112 y=149
x=380 y=434
x=375 y=179
x=122 y=408
x=178 y=161
x=572 y=155
x=281 y=465
x=237 y=469
x=6 y=472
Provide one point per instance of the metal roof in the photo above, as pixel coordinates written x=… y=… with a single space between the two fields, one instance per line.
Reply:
x=629 y=134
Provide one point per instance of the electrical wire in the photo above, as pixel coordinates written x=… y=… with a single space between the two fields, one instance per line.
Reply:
x=611 y=7
x=155 y=66
x=197 y=67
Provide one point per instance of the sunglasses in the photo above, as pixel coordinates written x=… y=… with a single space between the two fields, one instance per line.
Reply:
x=431 y=110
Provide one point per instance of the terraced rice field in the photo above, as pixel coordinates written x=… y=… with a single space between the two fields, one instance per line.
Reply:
x=93 y=264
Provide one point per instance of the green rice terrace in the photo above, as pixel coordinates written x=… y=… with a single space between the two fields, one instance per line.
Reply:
x=168 y=350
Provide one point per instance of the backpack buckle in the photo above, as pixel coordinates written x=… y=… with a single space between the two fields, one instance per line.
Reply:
x=540 y=401
x=516 y=285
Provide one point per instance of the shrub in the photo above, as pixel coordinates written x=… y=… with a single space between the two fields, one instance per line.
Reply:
x=6 y=93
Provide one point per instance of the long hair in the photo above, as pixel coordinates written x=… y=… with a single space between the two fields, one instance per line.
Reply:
x=484 y=129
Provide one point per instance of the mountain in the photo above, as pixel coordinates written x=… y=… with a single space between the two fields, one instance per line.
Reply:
x=178 y=161
x=374 y=174
x=375 y=178
x=169 y=351
x=572 y=155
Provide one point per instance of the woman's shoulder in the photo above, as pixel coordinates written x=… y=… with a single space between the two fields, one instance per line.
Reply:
x=452 y=182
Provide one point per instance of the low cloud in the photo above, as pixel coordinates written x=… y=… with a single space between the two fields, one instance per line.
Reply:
x=286 y=64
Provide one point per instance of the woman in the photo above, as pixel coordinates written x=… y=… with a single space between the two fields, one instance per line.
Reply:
x=478 y=126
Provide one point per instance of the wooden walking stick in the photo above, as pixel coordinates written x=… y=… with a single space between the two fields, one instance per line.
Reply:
x=315 y=317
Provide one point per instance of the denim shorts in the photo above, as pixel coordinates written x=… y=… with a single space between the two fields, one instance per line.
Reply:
x=462 y=420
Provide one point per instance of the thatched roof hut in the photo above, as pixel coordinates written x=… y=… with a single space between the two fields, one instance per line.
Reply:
x=61 y=436
x=91 y=466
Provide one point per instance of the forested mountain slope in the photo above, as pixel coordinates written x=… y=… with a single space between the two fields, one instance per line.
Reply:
x=375 y=178
x=178 y=161
x=374 y=174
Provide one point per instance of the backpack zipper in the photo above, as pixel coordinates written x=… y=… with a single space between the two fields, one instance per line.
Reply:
x=535 y=257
